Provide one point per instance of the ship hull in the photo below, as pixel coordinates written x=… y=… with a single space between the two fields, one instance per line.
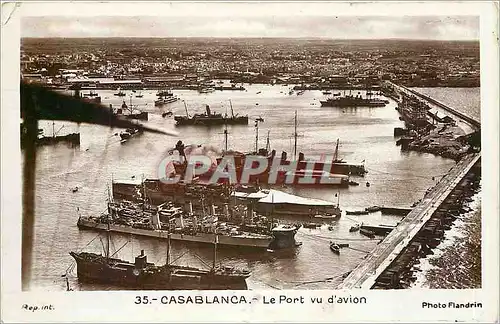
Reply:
x=261 y=243
x=126 y=275
x=162 y=102
x=335 y=103
x=184 y=121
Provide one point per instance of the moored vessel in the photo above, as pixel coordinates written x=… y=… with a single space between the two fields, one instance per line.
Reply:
x=210 y=119
x=353 y=101
x=172 y=222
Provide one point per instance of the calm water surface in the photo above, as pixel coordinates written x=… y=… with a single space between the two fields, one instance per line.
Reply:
x=397 y=179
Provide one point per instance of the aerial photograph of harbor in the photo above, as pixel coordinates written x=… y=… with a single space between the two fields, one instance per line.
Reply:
x=208 y=153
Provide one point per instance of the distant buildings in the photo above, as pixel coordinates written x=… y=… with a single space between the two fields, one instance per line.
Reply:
x=183 y=62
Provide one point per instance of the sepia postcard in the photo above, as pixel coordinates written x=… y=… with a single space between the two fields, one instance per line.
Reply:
x=249 y=161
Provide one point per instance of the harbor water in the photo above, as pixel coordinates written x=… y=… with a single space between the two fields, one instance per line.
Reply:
x=397 y=179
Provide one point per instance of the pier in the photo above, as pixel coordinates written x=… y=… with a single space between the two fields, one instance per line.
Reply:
x=366 y=274
x=475 y=125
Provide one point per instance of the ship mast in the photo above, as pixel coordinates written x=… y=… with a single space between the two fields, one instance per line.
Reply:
x=168 y=250
x=186 y=108
x=215 y=251
x=225 y=137
x=256 y=136
x=107 y=229
x=336 y=155
x=268 y=143
x=231 y=104
x=295 y=138
x=143 y=194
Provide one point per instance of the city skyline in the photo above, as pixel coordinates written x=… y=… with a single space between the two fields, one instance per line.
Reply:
x=460 y=28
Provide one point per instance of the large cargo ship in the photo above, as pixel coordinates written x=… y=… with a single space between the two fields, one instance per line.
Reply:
x=210 y=119
x=156 y=222
x=353 y=101
x=335 y=169
x=158 y=192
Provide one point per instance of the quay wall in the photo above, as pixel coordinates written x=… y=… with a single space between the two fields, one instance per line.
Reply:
x=366 y=273
x=473 y=122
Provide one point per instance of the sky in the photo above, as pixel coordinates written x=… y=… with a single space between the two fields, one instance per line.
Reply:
x=304 y=26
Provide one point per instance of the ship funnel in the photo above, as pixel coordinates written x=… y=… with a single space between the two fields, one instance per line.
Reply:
x=142 y=252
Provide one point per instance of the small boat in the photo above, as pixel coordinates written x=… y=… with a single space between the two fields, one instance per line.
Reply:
x=330 y=227
x=120 y=93
x=75 y=189
x=335 y=248
x=336 y=94
x=354 y=228
x=310 y=225
x=341 y=245
x=368 y=233
x=327 y=92
x=353 y=183
x=167 y=113
x=206 y=90
x=367 y=184
x=164 y=93
x=140 y=95
x=259 y=92
x=165 y=100
x=128 y=133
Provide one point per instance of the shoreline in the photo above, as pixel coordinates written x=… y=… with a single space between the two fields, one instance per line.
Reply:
x=462 y=244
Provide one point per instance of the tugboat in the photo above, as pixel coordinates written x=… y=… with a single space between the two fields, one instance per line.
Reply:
x=210 y=119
